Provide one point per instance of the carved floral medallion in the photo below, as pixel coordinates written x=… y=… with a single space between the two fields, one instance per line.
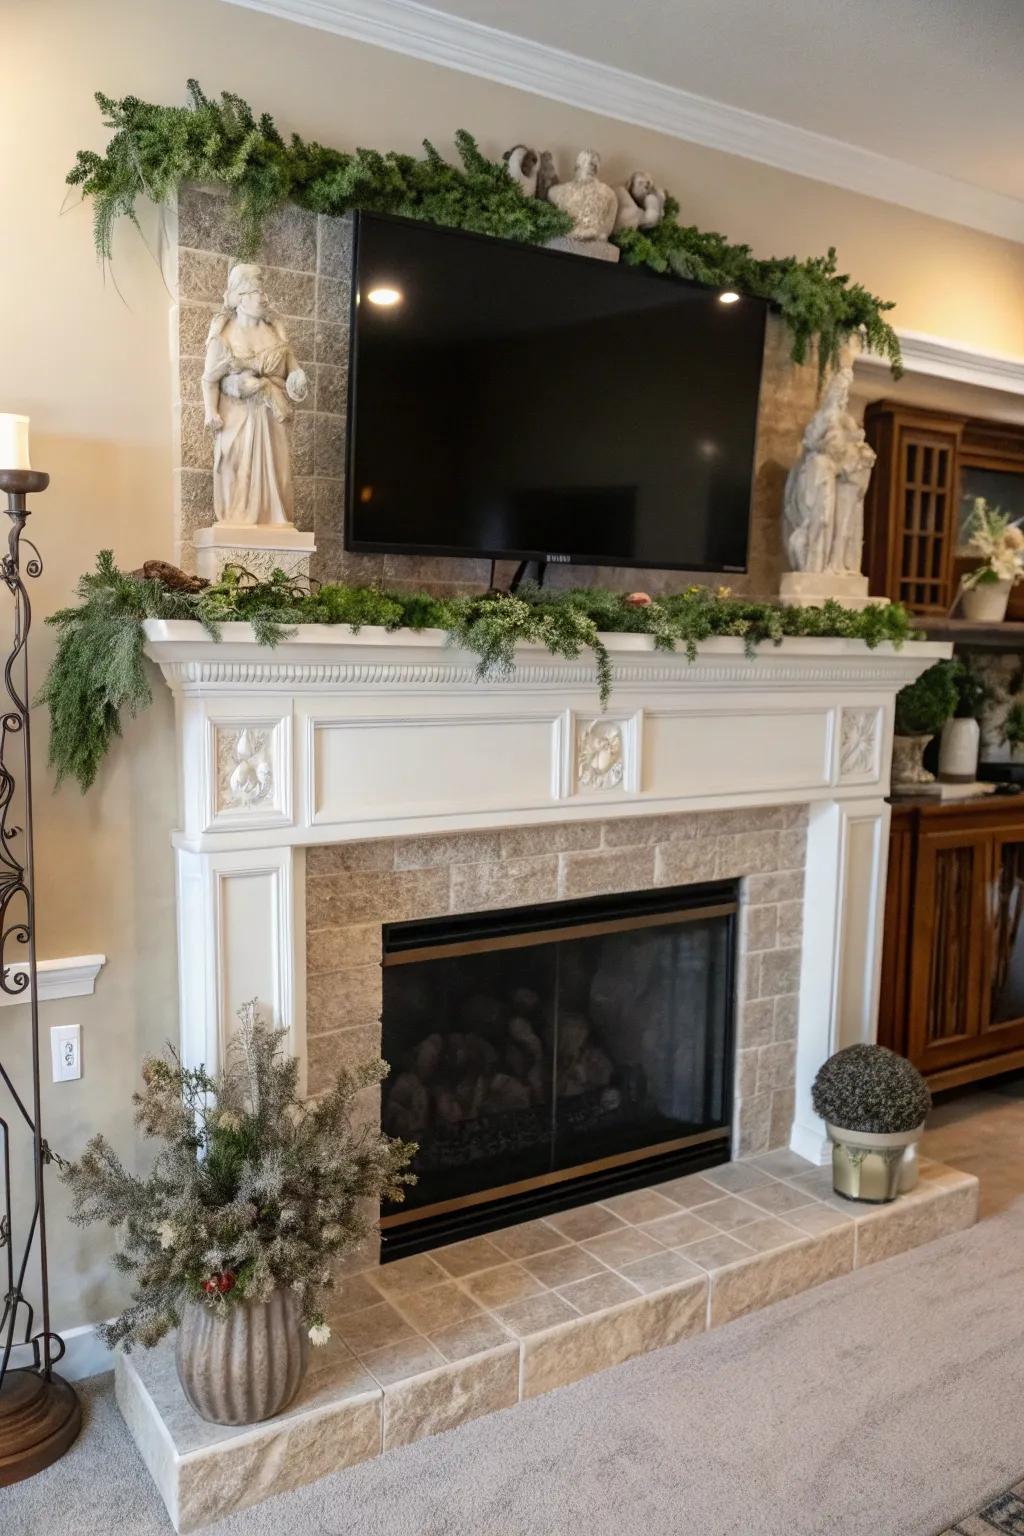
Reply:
x=245 y=775
x=600 y=755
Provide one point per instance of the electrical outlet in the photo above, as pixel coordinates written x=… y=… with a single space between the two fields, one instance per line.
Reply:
x=66 y=1051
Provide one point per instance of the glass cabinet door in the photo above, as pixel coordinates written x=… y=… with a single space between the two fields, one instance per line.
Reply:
x=1006 y=909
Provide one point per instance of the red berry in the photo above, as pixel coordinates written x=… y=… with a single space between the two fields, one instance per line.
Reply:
x=225 y=1282
x=210 y=1285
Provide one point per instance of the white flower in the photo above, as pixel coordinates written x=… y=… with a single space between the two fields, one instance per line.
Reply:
x=319 y=1335
x=227 y=1120
x=165 y=1232
x=331 y=1232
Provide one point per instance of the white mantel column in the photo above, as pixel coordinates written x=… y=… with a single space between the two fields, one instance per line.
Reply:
x=241 y=935
x=844 y=910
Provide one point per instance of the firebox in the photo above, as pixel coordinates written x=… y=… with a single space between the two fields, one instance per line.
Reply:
x=542 y=1056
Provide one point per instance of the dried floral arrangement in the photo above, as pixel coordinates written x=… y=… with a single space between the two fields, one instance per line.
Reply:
x=99 y=670
x=254 y=1189
x=154 y=150
x=994 y=536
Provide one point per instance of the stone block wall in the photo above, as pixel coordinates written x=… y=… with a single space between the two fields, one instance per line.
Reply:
x=308 y=262
x=353 y=888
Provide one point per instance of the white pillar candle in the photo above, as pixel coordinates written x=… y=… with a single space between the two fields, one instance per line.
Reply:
x=14 y=442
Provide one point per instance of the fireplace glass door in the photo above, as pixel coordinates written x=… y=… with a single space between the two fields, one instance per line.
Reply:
x=536 y=1049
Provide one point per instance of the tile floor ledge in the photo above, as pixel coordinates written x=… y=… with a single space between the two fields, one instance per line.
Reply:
x=427 y=1343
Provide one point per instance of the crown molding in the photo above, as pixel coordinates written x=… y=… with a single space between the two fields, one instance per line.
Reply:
x=420 y=31
x=944 y=359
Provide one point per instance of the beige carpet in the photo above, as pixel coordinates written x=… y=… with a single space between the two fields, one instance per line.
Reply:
x=886 y=1403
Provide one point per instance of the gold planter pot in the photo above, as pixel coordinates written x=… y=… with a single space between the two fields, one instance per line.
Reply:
x=870 y=1166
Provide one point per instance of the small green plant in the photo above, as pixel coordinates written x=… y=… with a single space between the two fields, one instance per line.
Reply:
x=155 y=150
x=99 y=670
x=1013 y=726
x=924 y=706
x=254 y=1189
x=870 y=1088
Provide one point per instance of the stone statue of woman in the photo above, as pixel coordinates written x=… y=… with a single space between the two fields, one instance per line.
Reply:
x=250 y=380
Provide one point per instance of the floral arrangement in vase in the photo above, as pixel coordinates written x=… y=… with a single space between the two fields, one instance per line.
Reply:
x=994 y=536
x=234 y=1234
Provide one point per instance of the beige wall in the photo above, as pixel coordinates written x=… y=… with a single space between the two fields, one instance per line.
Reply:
x=91 y=367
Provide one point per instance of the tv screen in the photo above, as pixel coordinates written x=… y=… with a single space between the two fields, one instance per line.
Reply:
x=510 y=401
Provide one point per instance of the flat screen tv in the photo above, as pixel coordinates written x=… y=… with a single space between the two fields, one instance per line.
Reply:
x=509 y=401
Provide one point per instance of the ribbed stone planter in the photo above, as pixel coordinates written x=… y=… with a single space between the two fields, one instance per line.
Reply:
x=246 y=1367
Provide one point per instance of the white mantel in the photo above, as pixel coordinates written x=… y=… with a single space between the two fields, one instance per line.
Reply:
x=333 y=736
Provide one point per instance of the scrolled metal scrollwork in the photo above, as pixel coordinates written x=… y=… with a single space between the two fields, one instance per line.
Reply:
x=17 y=933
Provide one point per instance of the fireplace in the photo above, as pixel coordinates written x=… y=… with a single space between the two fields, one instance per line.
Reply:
x=548 y=1054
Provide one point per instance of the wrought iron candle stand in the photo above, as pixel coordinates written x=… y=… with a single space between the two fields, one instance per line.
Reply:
x=39 y=1412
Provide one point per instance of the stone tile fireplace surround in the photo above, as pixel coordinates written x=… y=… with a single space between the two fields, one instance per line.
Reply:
x=351 y=889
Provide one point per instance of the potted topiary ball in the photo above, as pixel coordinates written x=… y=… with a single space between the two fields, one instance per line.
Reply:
x=874 y=1104
x=922 y=709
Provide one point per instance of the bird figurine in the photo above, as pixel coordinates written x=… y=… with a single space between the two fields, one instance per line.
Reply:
x=641 y=202
x=522 y=164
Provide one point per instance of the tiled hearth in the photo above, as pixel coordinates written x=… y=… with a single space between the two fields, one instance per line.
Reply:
x=427 y=1343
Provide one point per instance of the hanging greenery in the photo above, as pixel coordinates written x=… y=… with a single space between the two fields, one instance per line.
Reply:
x=99 y=671
x=155 y=150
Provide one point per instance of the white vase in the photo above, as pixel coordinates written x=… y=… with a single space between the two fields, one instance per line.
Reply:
x=958 y=751
x=908 y=770
x=986 y=603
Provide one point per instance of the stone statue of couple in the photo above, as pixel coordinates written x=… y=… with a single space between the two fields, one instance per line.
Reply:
x=823 y=507
x=250 y=381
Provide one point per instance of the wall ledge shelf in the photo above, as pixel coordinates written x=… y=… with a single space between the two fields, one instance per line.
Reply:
x=71 y=977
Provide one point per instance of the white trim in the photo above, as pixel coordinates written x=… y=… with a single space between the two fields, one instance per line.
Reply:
x=944 y=359
x=421 y=32
x=74 y=977
x=85 y=1353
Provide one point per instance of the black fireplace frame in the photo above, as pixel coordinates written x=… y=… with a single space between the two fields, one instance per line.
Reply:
x=405 y=1230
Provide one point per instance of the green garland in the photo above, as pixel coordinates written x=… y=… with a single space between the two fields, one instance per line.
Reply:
x=99 y=670
x=155 y=150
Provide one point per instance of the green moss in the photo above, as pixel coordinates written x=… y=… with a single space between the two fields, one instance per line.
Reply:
x=870 y=1088
x=155 y=150
x=99 y=669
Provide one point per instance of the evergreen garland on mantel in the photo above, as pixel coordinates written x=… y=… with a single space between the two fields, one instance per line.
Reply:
x=99 y=670
x=155 y=150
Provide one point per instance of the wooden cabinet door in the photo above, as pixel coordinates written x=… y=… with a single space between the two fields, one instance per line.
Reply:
x=925 y=518
x=950 y=964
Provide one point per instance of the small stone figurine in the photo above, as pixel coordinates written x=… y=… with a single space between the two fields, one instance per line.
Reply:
x=523 y=164
x=250 y=380
x=590 y=204
x=641 y=203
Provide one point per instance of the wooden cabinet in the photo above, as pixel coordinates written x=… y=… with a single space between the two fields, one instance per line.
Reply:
x=953 y=961
x=930 y=466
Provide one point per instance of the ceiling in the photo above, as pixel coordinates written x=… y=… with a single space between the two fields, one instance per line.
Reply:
x=936 y=83
x=916 y=102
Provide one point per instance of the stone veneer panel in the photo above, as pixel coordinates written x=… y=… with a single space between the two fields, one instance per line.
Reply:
x=308 y=262
x=352 y=888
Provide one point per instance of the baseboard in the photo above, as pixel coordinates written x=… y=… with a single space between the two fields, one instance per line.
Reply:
x=811 y=1142
x=85 y=1353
